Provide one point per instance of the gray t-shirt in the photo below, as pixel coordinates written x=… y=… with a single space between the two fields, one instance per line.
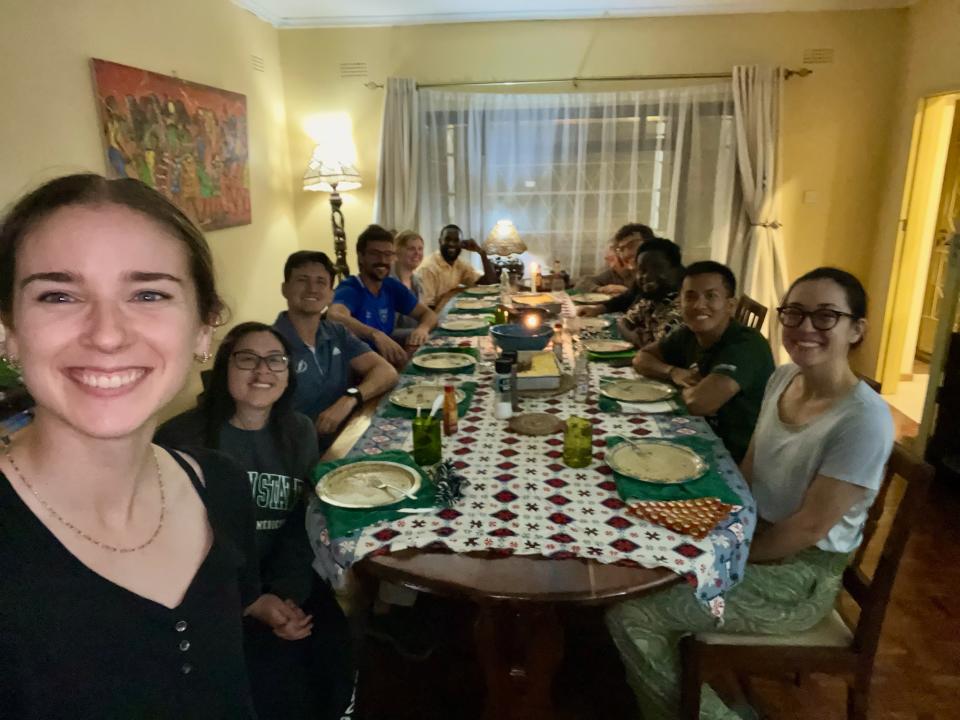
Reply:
x=850 y=442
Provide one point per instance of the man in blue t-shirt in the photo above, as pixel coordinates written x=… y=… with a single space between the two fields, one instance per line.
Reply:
x=367 y=303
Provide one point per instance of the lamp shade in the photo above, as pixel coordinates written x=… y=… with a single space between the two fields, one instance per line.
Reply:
x=328 y=175
x=504 y=240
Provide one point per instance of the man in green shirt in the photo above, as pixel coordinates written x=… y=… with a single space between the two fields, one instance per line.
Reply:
x=721 y=366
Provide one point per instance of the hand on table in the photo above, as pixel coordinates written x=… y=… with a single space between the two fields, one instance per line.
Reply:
x=285 y=617
x=389 y=349
x=417 y=338
x=684 y=378
x=330 y=419
x=612 y=289
x=590 y=310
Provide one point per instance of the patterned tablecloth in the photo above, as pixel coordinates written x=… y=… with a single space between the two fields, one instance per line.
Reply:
x=522 y=498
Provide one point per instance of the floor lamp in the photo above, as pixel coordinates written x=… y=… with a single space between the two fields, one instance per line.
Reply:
x=334 y=177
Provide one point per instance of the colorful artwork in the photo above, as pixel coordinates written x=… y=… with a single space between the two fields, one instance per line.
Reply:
x=188 y=141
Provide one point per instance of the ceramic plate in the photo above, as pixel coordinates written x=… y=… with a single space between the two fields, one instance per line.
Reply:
x=474 y=304
x=443 y=361
x=607 y=346
x=655 y=461
x=483 y=290
x=590 y=298
x=532 y=298
x=637 y=390
x=464 y=324
x=356 y=485
x=421 y=395
x=592 y=324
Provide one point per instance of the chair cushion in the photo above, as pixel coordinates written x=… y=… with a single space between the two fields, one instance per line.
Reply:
x=832 y=631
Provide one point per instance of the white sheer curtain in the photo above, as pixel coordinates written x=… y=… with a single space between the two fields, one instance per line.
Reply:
x=756 y=253
x=569 y=169
x=397 y=185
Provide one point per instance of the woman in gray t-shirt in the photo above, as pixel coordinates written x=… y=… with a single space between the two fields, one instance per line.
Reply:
x=815 y=464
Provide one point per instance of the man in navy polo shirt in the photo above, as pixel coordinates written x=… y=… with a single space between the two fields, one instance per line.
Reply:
x=335 y=371
x=368 y=303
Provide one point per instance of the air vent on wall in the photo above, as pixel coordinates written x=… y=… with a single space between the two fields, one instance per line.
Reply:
x=257 y=63
x=815 y=56
x=353 y=69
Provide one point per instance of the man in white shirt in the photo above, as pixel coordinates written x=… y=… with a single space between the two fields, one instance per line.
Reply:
x=445 y=269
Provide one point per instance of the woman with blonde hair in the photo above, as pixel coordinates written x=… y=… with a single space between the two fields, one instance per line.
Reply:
x=409 y=245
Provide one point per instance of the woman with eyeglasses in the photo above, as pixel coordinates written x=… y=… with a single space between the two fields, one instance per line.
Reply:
x=296 y=637
x=815 y=465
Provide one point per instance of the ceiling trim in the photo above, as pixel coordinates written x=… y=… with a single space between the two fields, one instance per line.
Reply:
x=658 y=9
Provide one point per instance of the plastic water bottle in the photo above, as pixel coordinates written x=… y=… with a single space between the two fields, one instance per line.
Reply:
x=503 y=406
x=581 y=378
x=504 y=286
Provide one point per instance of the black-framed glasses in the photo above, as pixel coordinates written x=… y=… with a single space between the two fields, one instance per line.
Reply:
x=792 y=316
x=249 y=360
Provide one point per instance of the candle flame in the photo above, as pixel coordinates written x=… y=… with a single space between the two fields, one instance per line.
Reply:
x=531 y=321
x=534 y=268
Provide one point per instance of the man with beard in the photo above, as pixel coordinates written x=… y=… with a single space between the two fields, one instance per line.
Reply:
x=721 y=366
x=368 y=303
x=445 y=269
x=651 y=306
x=621 y=253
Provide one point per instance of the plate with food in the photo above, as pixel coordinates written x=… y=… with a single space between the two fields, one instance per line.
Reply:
x=533 y=298
x=443 y=361
x=421 y=395
x=368 y=484
x=637 y=390
x=464 y=324
x=483 y=290
x=656 y=461
x=607 y=346
x=592 y=324
x=475 y=303
x=590 y=298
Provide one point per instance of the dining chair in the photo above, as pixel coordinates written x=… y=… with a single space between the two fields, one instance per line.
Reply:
x=833 y=646
x=750 y=313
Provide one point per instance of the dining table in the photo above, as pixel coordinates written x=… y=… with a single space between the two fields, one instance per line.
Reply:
x=530 y=534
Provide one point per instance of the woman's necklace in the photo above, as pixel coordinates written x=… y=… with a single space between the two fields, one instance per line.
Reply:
x=78 y=531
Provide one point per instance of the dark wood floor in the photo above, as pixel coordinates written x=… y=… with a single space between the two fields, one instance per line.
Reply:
x=917 y=675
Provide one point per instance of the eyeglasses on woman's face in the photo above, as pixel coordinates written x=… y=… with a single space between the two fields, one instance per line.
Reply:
x=792 y=316
x=249 y=360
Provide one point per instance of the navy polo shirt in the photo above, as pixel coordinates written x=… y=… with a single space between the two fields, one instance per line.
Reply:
x=377 y=311
x=323 y=372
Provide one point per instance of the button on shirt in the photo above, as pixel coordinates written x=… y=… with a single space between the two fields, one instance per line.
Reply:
x=377 y=311
x=437 y=276
x=323 y=372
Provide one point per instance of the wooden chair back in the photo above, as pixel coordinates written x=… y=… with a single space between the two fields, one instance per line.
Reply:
x=872 y=594
x=750 y=313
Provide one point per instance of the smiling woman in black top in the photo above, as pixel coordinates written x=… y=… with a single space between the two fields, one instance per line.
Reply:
x=297 y=638
x=125 y=568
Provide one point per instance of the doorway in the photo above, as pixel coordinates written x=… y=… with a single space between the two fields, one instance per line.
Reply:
x=930 y=209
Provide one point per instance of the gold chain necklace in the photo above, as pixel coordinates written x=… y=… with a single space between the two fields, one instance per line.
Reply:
x=78 y=531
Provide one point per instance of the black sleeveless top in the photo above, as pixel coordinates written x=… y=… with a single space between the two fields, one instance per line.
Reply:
x=75 y=645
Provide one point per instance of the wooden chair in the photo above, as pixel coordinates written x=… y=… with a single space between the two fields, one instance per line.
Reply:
x=750 y=313
x=832 y=646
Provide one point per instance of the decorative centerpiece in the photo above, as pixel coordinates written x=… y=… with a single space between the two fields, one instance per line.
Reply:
x=503 y=246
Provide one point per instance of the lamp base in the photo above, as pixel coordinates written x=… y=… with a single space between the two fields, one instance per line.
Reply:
x=511 y=263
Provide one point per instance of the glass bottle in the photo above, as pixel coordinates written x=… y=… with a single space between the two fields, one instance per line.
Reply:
x=503 y=406
x=581 y=377
x=557 y=283
x=449 y=410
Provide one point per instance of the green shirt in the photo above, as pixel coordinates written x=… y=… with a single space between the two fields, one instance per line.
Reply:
x=741 y=353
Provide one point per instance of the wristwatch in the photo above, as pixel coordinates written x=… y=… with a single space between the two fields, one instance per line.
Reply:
x=354 y=392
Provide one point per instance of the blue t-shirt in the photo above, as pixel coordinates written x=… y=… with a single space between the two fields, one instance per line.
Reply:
x=378 y=311
x=323 y=371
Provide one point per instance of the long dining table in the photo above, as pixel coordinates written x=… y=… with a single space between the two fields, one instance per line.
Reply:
x=531 y=534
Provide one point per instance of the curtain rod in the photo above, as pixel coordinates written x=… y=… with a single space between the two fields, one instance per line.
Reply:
x=802 y=72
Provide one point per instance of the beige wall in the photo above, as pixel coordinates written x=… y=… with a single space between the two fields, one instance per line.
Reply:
x=931 y=65
x=836 y=126
x=49 y=121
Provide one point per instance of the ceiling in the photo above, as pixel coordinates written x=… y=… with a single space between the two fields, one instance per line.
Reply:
x=337 y=13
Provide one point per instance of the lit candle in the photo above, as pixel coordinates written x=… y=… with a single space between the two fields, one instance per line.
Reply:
x=531 y=321
x=534 y=277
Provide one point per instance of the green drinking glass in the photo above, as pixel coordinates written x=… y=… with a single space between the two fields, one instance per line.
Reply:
x=578 y=442
x=426 y=440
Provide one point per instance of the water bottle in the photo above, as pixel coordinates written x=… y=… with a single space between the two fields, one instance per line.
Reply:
x=503 y=406
x=581 y=378
x=504 y=287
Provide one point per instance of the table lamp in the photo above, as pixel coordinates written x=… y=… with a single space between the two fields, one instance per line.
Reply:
x=334 y=177
x=503 y=245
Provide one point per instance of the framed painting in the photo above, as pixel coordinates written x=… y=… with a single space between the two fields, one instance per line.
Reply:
x=187 y=140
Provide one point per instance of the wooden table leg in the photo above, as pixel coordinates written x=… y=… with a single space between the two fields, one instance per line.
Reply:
x=520 y=647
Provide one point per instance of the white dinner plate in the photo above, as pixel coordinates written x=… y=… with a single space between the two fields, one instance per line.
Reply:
x=443 y=360
x=590 y=298
x=356 y=485
x=656 y=461
x=483 y=290
x=637 y=390
x=474 y=304
x=421 y=395
x=607 y=346
x=463 y=324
